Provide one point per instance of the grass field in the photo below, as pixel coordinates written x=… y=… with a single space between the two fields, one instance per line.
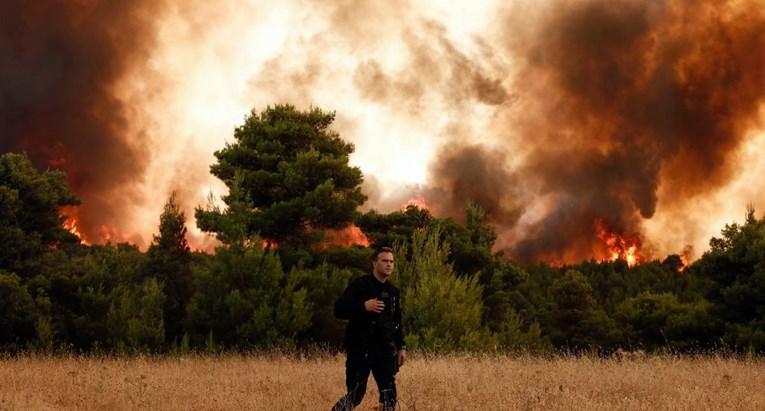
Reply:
x=458 y=382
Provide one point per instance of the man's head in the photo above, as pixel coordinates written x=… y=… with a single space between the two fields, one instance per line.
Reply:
x=382 y=263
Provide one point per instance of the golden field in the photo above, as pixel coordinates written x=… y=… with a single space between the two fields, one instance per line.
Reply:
x=454 y=382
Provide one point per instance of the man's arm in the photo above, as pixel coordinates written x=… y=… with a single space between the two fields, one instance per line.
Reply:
x=399 y=335
x=350 y=303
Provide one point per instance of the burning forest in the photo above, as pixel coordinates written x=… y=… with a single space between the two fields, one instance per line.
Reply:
x=557 y=175
x=587 y=129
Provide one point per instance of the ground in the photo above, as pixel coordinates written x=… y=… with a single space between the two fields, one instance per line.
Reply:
x=453 y=382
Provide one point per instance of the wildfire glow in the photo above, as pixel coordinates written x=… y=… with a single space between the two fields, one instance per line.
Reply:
x=269 y=244
x=351 y=235
x=417 y=201
x=70 y=224
x=685 y=259
x=406 y=83
x=618 y=247
x=685 y=265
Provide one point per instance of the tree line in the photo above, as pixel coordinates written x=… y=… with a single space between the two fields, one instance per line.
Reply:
x=273 y=280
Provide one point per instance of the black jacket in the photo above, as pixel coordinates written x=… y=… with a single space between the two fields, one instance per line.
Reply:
x=366 y=329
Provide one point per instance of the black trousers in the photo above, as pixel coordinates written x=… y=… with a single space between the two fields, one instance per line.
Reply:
x=383 y=364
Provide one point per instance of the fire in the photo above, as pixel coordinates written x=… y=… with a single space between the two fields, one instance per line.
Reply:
x=686 y=263
x=618 y=247
x=346 y=237
x=111 y=235
x=685 y=258
x=417 y=201
x=70 y=223
x=57 y=162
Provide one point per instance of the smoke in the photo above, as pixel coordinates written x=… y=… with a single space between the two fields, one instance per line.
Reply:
x=475 y=174
x=557 y=117
x=437 y=72
x=620 y=104
x=60 y=69
x=636 y=101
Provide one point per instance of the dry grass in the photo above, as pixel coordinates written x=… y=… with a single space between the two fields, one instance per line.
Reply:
x=277 y=382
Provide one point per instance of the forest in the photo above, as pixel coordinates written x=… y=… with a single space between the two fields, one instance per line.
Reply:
x=273 y=280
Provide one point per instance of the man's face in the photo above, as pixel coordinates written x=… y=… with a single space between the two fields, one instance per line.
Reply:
x=383 y=265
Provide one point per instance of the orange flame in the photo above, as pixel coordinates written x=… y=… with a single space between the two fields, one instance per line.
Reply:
x=685 y=262
x=685 y=258
x=417 y=201
x=346 y=237
x=618 y=247
x=70 y=223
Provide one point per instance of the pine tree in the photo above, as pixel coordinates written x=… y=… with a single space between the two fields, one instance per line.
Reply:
x=441 y=311
x=169 y=260
x=291 y=172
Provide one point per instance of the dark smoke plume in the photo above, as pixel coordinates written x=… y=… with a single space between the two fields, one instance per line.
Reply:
x=473 y=173
x=620 y=102
x=60 y=64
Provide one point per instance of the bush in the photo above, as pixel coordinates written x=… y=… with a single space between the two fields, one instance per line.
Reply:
x=441 y=311
x=244 y=299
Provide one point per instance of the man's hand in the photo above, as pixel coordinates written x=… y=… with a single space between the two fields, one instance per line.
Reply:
x=374 y=305
x=401 y=357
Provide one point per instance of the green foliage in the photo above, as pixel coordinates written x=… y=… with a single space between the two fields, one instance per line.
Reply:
x=75 y=292
x=245 y=300
x=136 y=317
x=30 y=201
x=579 y=323
x=513 y=335
x=657 y=320
x=442 y=311
x=502 y=303
x=734 y=274
x=289 y=179
x=323 y=286
x=394 y=228
x=355 y=258
x=169 y=260
x=471 y=243
x=17 y=313
x=499 y=292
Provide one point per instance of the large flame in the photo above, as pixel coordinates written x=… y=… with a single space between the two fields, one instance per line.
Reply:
x=71 y=223
x=417 y=201
x=619 y=247
x=346 y=237
x=685 y=258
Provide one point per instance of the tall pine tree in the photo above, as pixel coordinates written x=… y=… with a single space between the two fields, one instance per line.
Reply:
x=169 y=260
x=291 y=172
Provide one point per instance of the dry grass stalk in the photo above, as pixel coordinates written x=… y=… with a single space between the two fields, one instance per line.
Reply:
x=454 y=382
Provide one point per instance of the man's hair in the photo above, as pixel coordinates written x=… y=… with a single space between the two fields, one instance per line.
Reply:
x=381 y=250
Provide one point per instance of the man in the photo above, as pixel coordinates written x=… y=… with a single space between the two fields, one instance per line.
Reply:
x=374 y=340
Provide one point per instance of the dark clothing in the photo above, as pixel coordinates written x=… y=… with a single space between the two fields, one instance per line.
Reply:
x=367 y=329
x=372 y=340
x=383 y=366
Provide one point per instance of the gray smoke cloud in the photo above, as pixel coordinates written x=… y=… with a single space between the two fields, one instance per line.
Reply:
x=619 y=102
x=60 y=63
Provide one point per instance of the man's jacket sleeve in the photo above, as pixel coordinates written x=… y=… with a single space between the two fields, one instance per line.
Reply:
x=350 y=304
x=399 y=336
